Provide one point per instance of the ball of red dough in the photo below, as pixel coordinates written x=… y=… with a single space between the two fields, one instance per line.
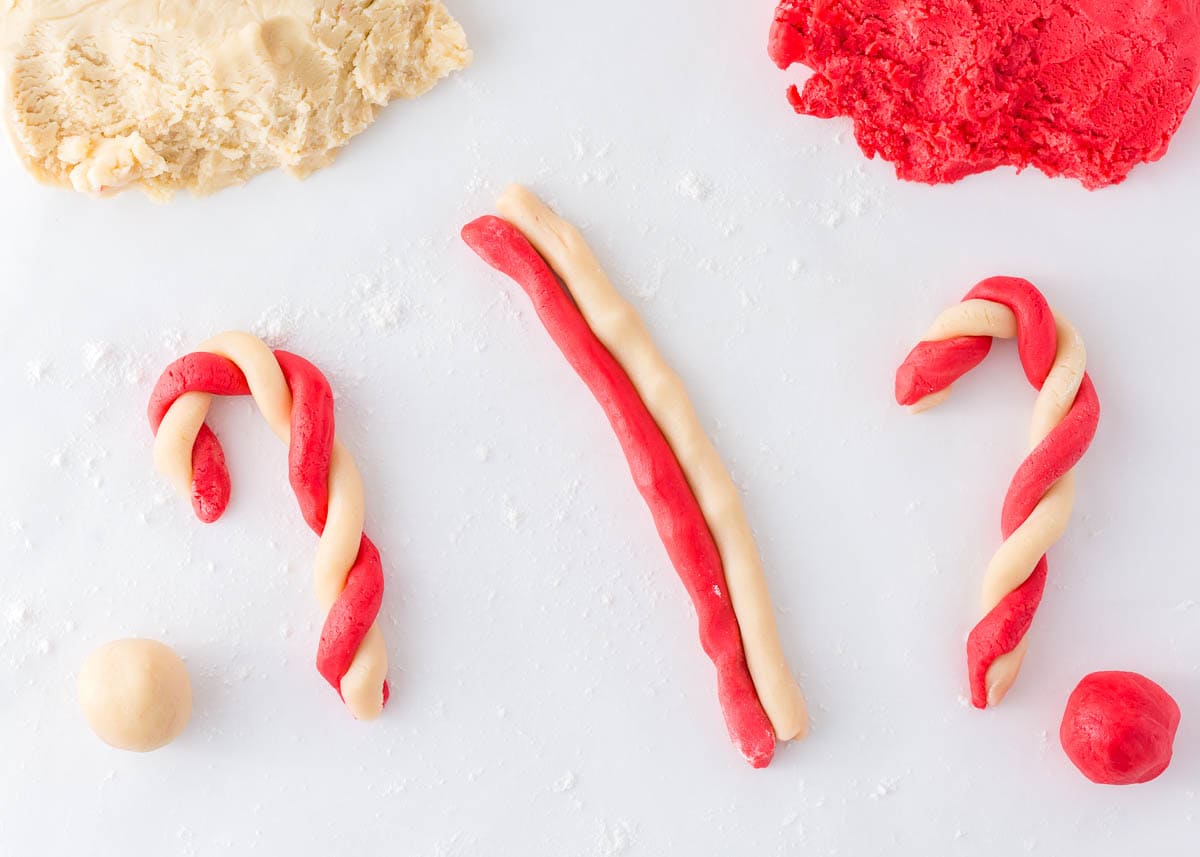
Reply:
x=1119 y=727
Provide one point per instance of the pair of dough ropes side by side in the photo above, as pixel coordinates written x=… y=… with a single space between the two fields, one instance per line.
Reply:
x=689 y=492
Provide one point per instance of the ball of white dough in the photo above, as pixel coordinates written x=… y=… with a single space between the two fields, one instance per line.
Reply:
x=135 y=694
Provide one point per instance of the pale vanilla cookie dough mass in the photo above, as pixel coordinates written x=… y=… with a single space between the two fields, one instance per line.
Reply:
x=135 y=694
x=103 y=95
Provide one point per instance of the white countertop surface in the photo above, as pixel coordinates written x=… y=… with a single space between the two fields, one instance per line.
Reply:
x=550 y=696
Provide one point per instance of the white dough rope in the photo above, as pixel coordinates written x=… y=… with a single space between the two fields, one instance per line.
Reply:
x=623 y=334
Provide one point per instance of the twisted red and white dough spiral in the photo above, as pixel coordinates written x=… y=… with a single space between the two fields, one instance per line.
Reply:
x=297 y=403
x=1039 y=500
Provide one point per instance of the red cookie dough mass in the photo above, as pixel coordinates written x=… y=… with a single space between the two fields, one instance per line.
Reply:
x=1119 y=727
x=1086 y=89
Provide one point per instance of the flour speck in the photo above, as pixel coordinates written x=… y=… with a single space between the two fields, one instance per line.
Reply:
x=380 y=304
x=694 y=186
x=37 y=372
x=96 y=355
x=276 y=325
x=614 y=839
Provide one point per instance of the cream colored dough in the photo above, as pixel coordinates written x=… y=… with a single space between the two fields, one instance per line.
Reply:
x=1020 y=552
x=101 y=95
x=362 y=685
x=135 y=694
x=622 y=332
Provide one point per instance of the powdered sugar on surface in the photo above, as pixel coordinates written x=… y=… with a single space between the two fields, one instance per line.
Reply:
x=549 y=693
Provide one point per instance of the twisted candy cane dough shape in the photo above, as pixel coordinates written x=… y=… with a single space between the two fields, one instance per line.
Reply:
x=1039 y=500
x=297 y=403
x=624 y=335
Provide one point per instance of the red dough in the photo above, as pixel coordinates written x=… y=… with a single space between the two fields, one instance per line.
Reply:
x=655 y=470
x=1119 y=727
x=210 y=374
x=1086 y=89
x=312 y=434
x=933 y=366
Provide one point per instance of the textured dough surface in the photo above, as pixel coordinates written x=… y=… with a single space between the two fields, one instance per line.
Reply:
x=203 y=94
x=1086 y=89
x=1119 y=728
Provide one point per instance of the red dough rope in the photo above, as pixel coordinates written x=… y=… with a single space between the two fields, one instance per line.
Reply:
x=1039 y=499
x=656 y=471
x=296 y=400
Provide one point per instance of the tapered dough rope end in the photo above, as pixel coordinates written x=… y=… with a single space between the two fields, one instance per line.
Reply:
x=929 y=402
x=923 y=383
x=791 y=712
x=364 y=686
x=211 y=486
x=517 y=202
x=490 y=237
x=1002 y=674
